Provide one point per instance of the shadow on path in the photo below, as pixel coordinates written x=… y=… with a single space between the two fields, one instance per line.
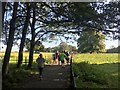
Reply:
x=54 y=76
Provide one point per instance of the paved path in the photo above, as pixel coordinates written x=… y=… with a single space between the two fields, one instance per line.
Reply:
x=54 y=76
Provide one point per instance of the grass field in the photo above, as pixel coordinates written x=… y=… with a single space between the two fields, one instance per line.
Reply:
x=96 y=70
x=91 y=70
x=14 y=57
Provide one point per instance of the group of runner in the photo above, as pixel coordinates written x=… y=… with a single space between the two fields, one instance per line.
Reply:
x=62 y=57
x=57 y=56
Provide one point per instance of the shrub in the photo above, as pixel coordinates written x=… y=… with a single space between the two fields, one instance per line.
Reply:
x=86 y=73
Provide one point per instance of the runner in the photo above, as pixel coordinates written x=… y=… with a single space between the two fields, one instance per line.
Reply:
x=40 y=60
x=62 y=58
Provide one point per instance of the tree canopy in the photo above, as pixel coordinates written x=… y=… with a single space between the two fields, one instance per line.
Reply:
x=91 y=41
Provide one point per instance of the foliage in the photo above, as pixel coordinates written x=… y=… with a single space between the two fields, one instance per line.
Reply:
x=91 y=41
x=39 y=47
x=92 y=76
x=90 y=73
x=15 y=76
x=64 y=46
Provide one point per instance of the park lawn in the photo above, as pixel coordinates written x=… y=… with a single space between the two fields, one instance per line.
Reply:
x=96 y=70
x=91 y=70
x=14 y=57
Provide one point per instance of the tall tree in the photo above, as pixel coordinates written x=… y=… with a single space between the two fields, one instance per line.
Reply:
x=32 y=42
x=64 y=46
x=91 y=41
x=24 y=31
x=10 y=40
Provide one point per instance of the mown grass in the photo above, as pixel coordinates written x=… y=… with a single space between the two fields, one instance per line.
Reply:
x=96 y=70
x=14 y=57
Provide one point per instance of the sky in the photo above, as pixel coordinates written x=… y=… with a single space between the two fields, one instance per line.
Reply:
x=109 y=43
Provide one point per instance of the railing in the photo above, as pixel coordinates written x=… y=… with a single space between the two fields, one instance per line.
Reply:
x=72 y=77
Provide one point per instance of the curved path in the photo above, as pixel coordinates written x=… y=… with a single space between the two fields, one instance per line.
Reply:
x=54 y=76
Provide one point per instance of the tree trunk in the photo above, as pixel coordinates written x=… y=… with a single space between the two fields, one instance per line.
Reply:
x=10 y=41
x=20 y=55
x=33 y=39
x=31 y=54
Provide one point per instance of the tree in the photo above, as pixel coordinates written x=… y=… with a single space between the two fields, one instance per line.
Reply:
x=39 y=47
x=32 y=42
x=72 y=48
x=10 y=40
x=63 y=46
x=91 y=41
x=49 y=49
x=24 y=31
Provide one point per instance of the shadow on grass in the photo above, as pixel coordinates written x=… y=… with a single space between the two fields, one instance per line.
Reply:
x=96 y=75
x=16 y=75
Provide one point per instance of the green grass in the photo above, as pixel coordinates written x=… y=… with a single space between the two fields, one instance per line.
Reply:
x=96 y=58
x=14 y=57
x=96 y=70
x=91 y=70
x=16 y=76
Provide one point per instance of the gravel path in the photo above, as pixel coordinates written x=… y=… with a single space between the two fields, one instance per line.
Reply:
x=54 y=76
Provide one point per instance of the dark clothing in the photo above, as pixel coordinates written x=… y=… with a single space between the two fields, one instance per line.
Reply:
x=53 y=56
x=40 y=62
x=67 y=56
x=56 y=55
x=40 y=70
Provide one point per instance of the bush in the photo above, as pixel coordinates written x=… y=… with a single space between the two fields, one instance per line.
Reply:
x=86 y=73
x=15 y=76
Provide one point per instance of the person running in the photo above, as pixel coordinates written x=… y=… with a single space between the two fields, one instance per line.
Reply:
x=67 y=56
x=59 y=61
x=54 y=58
x=40 y=61
x=62 y=58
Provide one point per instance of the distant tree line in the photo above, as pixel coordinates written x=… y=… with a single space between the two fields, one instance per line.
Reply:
x=61 y=47
x=114 y=50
